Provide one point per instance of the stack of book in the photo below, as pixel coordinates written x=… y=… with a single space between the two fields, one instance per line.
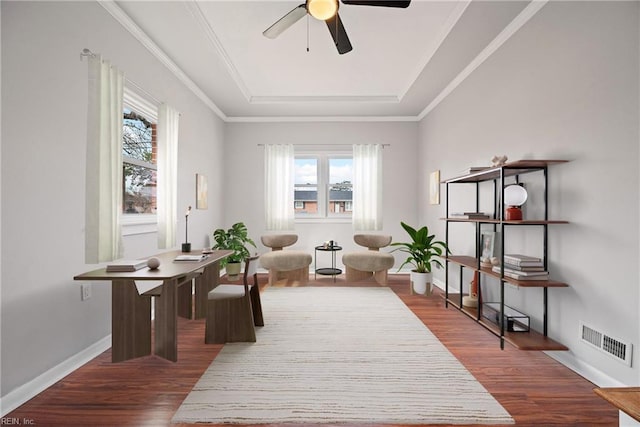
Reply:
x=126 y=265
x=473 y=169
x=470 y=215
x=196 y=258
x=523 y=267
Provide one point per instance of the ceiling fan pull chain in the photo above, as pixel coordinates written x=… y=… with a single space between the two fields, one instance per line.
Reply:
x=307 y=32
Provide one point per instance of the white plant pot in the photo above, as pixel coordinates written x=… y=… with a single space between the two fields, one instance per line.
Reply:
x=421 y=283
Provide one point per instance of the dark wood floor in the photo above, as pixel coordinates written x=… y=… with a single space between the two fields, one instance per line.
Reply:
x=533 y=388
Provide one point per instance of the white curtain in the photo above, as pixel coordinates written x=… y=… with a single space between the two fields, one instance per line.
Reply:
x=367 y=187
x=103 y=235
x=167 y=161
x=279 y=182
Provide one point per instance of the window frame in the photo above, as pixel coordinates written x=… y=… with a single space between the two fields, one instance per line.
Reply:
x=323 y=213
x=138 y=223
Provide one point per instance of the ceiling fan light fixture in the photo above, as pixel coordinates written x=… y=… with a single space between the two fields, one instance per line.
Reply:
x=322 y=9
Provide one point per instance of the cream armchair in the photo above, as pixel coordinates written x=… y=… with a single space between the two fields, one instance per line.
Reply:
x=362 y=265
x=288 y=265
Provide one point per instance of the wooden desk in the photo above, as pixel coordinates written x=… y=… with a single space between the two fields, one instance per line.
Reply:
x=131 y=312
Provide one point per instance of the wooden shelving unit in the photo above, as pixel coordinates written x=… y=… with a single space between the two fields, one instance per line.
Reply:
x=531 y=340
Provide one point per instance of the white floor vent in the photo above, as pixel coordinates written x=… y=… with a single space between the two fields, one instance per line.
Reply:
x=619 y=350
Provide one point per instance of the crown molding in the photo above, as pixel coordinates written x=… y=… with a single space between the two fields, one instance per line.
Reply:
x=451 y=22
x=195 y=10
x=137 y=32
x=328 y=98
x=298 y=119
x=517 y=23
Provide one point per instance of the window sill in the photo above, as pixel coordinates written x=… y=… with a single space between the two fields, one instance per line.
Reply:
x=323 y=220
x=139 y=224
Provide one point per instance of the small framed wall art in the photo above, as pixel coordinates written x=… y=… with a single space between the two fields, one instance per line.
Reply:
x=201 y=191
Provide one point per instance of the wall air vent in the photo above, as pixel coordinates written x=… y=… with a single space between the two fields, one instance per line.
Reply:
x=619 y=350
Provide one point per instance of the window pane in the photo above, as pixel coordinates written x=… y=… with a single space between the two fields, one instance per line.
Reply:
x=340 y=199
x=139 y=189
x=340 y=193
x=137 y=133
x=340 y=170
x=306 y=186
x=139 y=164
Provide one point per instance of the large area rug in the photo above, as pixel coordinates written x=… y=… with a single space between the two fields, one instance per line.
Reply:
x=339 y=355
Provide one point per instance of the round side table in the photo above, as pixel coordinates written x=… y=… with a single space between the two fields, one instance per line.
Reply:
x=327 y=271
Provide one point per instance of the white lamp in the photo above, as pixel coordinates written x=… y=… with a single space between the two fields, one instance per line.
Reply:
x=514 y=197
x=322 y=9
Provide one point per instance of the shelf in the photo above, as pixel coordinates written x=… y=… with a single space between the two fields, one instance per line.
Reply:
x=472 y=263
x=505 y=222
x=496 y=176
x=509 y=169
x=531 y=340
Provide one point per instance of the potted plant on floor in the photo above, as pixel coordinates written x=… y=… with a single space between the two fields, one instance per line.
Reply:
x=235 y=239
x=422 y=251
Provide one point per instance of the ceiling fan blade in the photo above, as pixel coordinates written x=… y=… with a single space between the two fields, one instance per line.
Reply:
x=285 y=22
x=339 y=34
x=382 y=3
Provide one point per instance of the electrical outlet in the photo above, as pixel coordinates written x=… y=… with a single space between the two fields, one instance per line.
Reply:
x=85 y=289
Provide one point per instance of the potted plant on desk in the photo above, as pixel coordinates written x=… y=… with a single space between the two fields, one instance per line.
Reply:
x=235 y=239
x=423 y=250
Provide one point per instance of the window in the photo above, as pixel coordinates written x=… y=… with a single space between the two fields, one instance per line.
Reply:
x=139 y=155
x=323 y=186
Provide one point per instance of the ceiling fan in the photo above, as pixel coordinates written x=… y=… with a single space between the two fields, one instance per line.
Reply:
x=327 y=10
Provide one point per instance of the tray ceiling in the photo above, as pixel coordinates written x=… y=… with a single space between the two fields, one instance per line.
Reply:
x=402 y=62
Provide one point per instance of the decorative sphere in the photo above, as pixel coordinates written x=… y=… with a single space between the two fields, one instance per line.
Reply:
x=153 y=263
x=495 y=261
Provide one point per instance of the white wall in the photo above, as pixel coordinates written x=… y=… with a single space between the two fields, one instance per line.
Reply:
x=44 y=100
x=565 y=86
x=244 y=180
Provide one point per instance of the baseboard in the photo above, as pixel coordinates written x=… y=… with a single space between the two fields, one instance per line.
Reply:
x=585 y=370
x=440 y=284
x=31 y=389
x=567 y=359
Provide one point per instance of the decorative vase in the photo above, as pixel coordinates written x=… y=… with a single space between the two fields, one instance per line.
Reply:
x=471 y=300
x=421 y=283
